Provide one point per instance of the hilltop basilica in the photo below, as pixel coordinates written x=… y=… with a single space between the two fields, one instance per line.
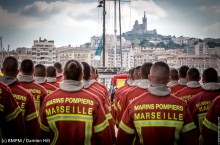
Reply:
x=141 y=28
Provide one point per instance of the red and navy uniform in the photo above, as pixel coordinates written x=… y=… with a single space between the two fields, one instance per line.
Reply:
x=191 y=89
x=211 y=123
x=26 y=102
x=38 y=92
x=199 y=104
x=11 y=120
x=73 y=116
x=129 y=95
x=157 y=118
x=89 y=86
x=53 y=82
x=181 y=84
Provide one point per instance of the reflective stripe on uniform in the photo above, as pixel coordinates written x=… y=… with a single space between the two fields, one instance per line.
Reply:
x=43 y=127
x=188 y=127
x=119 y=106
x=88 y=119
x=158 y=123
x=56 y=132
x=31 y=116
x=210 y=125
x=109 y=116
x=2 y=108
x=101 y=126
x=126 y=128
x=37 y=105
x=13 y=115
x=69 y=117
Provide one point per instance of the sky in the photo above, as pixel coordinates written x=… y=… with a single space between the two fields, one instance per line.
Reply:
x=76 y=21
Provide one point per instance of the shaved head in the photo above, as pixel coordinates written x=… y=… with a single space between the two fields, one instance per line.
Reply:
x=159 y=73
x=10 y=66
x=40 y=70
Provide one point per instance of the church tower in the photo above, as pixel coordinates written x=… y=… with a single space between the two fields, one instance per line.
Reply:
x=144 y=21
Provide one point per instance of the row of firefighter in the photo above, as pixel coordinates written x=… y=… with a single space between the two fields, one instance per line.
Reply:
x=152 y=104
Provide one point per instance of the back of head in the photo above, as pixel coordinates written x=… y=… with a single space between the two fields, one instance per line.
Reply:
x=27 y=67
x=40 y=70
x=183 y=71
x=137 y=72
x=193 y=74
x=73 y=70
x=145 y=70
x=86 y=71
x=10 y=66
x=210 y=75
x=51 y=71
x=132 y=74
x=173 y=74
x=159 y=73
x=58 y=67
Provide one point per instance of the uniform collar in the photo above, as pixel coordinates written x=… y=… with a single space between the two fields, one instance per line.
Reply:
x=130 y=82
x=87 y=84
x=40 y=80
x=193 y=84
x=211 y=86
x=51 y=79
x=143 y=84
x=182 y=81
x=26 y=78
x=59 y=74
x=8 y=80
x=135 y=83
x=173 y=82
x=71 y=85
x=159 y=89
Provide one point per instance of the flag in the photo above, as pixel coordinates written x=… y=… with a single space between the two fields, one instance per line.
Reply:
x=99 y=51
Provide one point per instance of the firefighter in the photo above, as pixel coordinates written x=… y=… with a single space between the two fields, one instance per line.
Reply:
x=118 y=93
x=100 y=86
x=134 y=92
x=157 y=117
x=23 y=97
x=11 y=120
x=173 y=77
x=40 y=78
x=199 y=104
x=182 y=79
x=51 y=76
x=26 y=80
x=136 y=79
x=72 y=116
x=193 y=85
x=90 y=87
x=210 y=129
x=59 y=71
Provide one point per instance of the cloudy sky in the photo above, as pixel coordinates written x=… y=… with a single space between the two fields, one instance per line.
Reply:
x=75 y=21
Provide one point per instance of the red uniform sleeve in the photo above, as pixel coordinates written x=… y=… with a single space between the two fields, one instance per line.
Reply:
x=189 y=134
x=126 y=132
x=210 y=124
x=101 y=127
x=44 y=126
x=11 y=115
